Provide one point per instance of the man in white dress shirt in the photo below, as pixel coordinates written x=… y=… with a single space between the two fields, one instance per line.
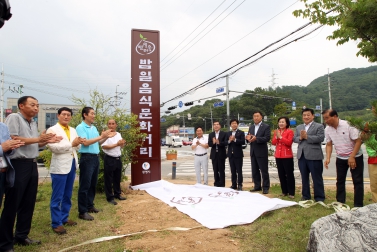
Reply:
x=200 y=145
x=113 y=164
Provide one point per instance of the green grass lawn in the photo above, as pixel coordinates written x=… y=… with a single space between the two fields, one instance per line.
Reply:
x=285 y=229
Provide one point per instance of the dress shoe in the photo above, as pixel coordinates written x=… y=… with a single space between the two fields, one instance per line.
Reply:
x=59 y=230
x=239 y=188
x=265 y=191
x=303 y=199
x=112 y=202
x=86 y=216
x=27 y=242
x=120 y=197
x=70 y=223
x=255 y=190
x=93 y=210
x=233 y=187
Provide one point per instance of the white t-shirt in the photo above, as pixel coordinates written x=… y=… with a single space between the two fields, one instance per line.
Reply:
x=114 y=152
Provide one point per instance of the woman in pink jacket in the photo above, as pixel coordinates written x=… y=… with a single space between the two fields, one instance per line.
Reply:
x=283 y=139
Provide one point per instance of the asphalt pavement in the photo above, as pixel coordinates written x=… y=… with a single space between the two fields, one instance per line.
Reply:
x=185 y=166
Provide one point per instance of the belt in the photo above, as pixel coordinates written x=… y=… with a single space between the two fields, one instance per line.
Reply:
x=34 y=160
x=201 y=154
x=3 y=169
x=117 y=158
x=89 y=154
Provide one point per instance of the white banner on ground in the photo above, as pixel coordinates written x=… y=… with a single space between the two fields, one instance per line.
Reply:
x=213 y=207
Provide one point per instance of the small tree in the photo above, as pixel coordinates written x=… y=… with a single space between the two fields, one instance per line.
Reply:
x=127 y=127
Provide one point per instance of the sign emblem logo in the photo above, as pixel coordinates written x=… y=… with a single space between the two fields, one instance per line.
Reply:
x=146 y=166
x=145 y=47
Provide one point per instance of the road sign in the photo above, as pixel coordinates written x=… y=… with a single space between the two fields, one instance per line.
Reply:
x=180 y=104
x=317 y=114
x=189 y=116
x=293 y=104
x=177 y=116
x=241 y=118
x=218 y=104
x=220 y=90
x=162 y=120
x=317 y=107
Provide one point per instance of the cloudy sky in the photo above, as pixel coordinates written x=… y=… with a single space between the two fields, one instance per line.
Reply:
x=59 y=48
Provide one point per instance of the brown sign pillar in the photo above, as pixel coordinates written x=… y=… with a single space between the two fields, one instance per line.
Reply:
x=145 y=103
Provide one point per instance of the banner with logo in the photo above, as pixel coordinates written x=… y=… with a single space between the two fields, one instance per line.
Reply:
x=214 y=207
x=145 y=103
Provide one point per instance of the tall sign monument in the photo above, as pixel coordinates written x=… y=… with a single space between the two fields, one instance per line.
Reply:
x=145 y=103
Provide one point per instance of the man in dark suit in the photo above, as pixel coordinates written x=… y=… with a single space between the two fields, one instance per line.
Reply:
x=309 y=137
x=236 y=138
x=258 y=136
x=217 y=141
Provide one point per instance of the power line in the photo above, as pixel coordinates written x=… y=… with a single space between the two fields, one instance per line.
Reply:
x=213 y=79
x=192 y=31
x=44 y=84
x=164 y=67
x=230 y=46
x=38 y=90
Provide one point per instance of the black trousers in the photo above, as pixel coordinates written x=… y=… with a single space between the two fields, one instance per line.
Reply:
x=357 y=178
x=259 y=165
x=112 y=174
x=235 y=164
x=287 y=179
x=218 y=165
x=20 y=202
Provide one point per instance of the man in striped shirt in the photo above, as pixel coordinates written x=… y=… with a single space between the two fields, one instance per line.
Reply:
x=347 y=142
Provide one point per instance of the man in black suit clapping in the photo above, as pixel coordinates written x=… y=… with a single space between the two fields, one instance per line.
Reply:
x=236 y=138
x=217 y=141
x=258 y=136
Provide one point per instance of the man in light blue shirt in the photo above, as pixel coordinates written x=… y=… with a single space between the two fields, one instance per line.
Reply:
x=7 y=145
x=89 y=162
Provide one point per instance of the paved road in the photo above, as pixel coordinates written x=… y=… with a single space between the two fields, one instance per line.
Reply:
x=185 y=166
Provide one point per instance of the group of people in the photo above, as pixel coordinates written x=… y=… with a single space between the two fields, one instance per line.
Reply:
x=19 y=149
x=309 y=137
x=229 y=145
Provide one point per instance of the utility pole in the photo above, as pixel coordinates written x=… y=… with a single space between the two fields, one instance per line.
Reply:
x=116 y=95
x=329 y=87
x=2 y=93
x=184 y=126
x=273 y=80
x=210 y=108
x=227 y=102
x=320 y=104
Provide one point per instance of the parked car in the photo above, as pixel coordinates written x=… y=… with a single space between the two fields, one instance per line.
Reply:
x=185 y=143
